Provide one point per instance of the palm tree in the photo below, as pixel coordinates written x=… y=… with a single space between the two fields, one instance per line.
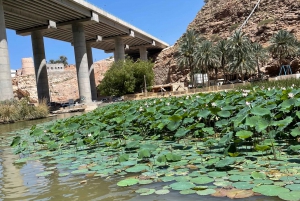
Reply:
x=205 y=57
x=260 y=55
x=186 y=51
x=283 y=45
x=222 y=52
x=240 y=54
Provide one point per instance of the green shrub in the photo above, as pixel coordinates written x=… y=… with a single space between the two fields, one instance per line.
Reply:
x=233 y=27
x=125 y=77
x=265 y=22
x=17 y=110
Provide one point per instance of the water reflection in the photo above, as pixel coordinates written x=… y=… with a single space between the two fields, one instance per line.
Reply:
x=19 y=182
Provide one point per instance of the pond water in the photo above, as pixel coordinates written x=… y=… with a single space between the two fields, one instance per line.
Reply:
x=19 y=181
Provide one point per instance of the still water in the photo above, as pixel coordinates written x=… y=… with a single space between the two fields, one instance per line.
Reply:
x=20 y=183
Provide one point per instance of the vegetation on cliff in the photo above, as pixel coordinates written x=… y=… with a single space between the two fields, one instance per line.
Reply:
x=126 y=77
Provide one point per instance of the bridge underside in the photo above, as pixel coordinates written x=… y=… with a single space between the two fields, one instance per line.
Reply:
x=77 y=22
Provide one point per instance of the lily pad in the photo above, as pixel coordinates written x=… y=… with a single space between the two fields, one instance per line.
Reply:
x=64 y=174
x=137 y=168
x=179 y=186
x=202 y=180
x=290 y=196
x=187 y=192
x=162 y=192
x=243 y=185
x=44 y=174
x=270 y=190
x=128 y=182
x=206 y=192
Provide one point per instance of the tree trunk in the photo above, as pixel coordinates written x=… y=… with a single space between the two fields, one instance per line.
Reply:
x=258 y=70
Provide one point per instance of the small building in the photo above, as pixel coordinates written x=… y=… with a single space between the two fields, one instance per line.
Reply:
x=58 y=67
x=13 y=73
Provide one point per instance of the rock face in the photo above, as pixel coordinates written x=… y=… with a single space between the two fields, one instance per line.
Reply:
x=63 y=85
x=220 y=18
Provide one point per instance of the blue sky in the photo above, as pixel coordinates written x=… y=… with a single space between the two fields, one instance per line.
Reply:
x=164 y=19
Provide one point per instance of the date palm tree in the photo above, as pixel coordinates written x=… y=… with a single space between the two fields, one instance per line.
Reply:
x=222 y=52
x=283 y=45
x=186 y=52
x=205 y=57
x=260 y=55
x=240 y=54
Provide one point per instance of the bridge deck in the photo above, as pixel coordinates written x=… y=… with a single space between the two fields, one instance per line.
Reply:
x=25 y=16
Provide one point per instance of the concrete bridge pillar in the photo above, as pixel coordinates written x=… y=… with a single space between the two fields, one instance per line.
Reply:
x=143 y=53
x=40 y=69
x=82 y=66
x=6 y=90
x=91 y=71
x=119 y=53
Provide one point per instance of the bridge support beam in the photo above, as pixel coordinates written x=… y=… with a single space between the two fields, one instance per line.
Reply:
x=119 y=53
x=6 y=89
x=91 y=71
x=143 y=53
x=40 y=69
x=82 y=66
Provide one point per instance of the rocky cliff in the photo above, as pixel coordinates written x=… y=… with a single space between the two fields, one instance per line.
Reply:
x=220 y=18
x=62 y=85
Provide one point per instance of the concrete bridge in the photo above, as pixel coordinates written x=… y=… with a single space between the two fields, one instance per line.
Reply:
x=74 y=21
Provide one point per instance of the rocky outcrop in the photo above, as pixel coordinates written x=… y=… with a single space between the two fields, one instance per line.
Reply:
x=220 y=18
x=62 y=85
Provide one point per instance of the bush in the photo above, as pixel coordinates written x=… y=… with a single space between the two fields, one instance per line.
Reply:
x=125 y=77
x=17 y=110
x=265 y=22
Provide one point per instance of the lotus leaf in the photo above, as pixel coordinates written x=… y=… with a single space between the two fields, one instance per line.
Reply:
x=202 y=180
x=287 y=178
x=222 y=183
x=137 y=168
x=290 y=196
x=293 y=187
x=147 y=181
x=187 y=192
x=244 y=134
x=295 y=132
x=145 y=153
x=167 y=178
x=81 y=171
x=142 y=190
x=179 y=186
x=206 y=192
x=173 y=157
x=258 y=175
x=243 y=185
x=162 y=192
x=123 y=158
x=217 y=174
x=128 y=163
x=64 y=174
x=44 y=174
x=240 y=178
x=225 y=162
x=224 y=114
x=270 y=190
x=260 y=111
x=181 y=132
x=128 y=182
